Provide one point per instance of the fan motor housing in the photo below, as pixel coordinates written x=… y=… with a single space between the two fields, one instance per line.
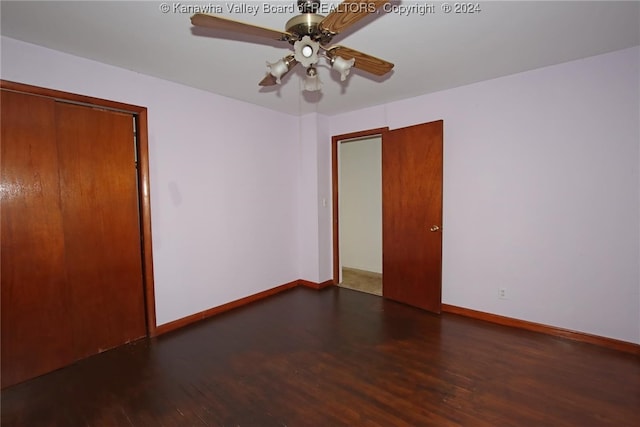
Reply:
x=305 y=24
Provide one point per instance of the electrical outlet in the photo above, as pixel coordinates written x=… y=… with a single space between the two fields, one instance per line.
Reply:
x=502 y=293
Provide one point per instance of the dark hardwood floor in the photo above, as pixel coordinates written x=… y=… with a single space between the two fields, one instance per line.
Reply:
x=337 y=358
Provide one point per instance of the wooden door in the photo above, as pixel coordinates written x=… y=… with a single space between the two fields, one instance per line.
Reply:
x=36 y=333
x=71 y=262
x=98 y=188
x=412 y=215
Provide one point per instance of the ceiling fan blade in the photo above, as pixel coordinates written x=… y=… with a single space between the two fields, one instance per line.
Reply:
x=365 y=62
x=269 y=80
x=348 y=13
x=218 y=23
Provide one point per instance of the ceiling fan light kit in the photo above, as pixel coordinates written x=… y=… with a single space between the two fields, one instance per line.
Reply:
x=309 y=33
x=312 y=83
x=342 y=66
x=278 y=69
x=306 y=51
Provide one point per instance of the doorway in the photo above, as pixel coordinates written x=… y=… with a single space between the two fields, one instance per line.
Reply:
x=360 y=213
x=359 y=279
x=412 y=166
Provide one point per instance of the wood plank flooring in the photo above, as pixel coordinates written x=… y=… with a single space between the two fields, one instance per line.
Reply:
x=337 y=357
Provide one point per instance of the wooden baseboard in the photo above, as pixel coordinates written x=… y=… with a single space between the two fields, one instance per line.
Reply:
x=180 y=323
x=625 y=346
x=176 y=324
x=480 y=315
x=314 y=285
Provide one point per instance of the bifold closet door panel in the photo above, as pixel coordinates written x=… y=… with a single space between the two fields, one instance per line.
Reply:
x=99 y=194
x=36 y=328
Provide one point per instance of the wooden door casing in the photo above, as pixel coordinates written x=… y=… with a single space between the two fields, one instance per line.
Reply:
x=412 y=160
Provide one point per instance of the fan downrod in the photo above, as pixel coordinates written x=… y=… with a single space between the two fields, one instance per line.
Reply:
x=306 y=24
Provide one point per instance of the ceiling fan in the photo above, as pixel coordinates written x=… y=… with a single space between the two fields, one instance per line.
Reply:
x=310 y=34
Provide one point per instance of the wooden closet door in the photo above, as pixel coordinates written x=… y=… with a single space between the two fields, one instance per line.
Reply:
x=98 y=184
x=36 y=328
x=71 y=257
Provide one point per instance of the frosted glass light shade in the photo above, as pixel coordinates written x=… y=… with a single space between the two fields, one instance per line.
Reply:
x=312 y=83
x=343 y=66
x=277 y=69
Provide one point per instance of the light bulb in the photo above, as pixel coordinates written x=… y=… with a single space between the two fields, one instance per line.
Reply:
x=306 y=51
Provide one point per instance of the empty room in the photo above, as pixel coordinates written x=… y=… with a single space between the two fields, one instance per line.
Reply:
x=320 y=213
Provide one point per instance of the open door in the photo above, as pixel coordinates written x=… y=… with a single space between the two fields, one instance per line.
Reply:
x=412 y=215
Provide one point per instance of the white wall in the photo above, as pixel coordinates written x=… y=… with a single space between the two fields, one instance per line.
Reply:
x=325 y=212
x=541 y=187
x=223 y=180
x=541 y=191
x=360 y=204
x=309 y=208
x=314 y=210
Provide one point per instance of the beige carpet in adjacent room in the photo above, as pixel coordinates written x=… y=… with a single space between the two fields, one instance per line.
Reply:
x=363 y=281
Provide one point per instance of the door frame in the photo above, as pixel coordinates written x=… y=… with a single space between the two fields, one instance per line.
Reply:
x=335 y=141
x=143 y=178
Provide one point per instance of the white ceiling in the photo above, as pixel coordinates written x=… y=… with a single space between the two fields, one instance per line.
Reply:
x=431 y=52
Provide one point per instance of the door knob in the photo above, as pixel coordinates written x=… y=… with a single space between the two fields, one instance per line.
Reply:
x=434 y=228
